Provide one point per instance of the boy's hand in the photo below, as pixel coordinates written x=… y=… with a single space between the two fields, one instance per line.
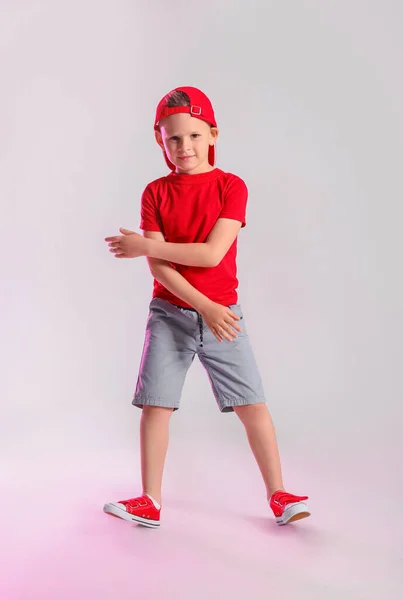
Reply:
x=221 y=320
x=128 y=245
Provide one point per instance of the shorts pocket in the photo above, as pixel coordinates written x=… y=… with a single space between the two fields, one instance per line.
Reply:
x=237 y=309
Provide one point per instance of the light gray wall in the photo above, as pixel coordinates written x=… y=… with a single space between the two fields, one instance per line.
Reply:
x=308 y=97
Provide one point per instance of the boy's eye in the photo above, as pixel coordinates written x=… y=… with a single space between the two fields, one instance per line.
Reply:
x=175 y=138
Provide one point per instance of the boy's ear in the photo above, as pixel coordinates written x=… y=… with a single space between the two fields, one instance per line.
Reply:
x=158 y=139
x=213 y=135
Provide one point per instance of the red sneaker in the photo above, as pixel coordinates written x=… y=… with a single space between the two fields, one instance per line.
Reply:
x=141 y=510
x=288 y=508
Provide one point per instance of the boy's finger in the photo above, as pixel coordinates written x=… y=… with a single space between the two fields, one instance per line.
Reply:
x=234 y=315
x=217 y=335
x=226 y=332
x=229 y=329
x=235 y=326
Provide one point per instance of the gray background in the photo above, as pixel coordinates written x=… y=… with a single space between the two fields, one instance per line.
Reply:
x=308 y=97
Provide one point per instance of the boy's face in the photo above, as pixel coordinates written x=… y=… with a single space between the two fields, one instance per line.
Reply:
x=186 y=141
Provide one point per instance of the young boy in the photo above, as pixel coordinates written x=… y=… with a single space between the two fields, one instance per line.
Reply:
x=191 y=219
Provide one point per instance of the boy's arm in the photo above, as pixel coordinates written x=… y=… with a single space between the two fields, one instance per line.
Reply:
x=207 y=254
x=173 y=281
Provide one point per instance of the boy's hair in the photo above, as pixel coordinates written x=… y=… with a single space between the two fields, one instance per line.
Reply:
x=177 y=98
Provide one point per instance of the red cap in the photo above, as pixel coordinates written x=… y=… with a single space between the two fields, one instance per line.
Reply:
x=200 y=108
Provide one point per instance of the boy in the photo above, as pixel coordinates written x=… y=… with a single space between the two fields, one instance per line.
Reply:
x=191 y=220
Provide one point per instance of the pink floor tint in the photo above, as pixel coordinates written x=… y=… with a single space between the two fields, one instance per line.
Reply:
x=218 y=539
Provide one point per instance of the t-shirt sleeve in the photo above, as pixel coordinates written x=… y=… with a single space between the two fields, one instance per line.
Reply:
x=235 y=200
x=149 y=214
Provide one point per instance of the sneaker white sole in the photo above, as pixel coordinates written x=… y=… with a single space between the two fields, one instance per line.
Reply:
x=119 y=510
x=293 y=512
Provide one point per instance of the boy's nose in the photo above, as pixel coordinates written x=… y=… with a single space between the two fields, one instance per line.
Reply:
x=184 y=145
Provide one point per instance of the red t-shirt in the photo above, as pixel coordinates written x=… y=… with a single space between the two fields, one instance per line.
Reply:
x=185 y=208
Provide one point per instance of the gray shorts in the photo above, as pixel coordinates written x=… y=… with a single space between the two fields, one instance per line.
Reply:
x=174 y=335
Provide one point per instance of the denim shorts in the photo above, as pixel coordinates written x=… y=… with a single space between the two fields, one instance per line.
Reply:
x=173 y=337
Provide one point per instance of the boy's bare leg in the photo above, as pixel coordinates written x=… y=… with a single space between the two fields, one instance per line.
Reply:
x=154 y=436
x=262 y=440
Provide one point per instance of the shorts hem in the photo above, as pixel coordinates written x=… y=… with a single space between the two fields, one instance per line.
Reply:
x=228 y=405
x=141 y=401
